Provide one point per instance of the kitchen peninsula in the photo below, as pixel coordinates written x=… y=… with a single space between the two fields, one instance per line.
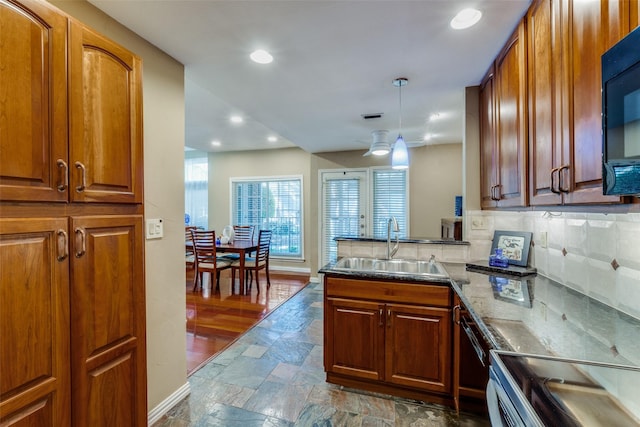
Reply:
x=400 y=334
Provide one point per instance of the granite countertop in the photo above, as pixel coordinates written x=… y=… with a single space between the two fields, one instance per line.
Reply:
x=536 y=315
x=428 y=240
x=533 y=314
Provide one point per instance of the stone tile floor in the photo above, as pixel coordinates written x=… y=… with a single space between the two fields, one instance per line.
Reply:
x=273 y=376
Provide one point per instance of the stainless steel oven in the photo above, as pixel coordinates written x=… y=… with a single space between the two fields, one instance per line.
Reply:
x=532 y=390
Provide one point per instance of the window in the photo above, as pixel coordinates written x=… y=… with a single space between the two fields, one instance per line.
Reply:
x=389 y=199
x=271 y=204
x=196 y=192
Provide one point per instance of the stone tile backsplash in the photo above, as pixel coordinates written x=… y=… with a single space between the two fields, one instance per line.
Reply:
x=581 y=252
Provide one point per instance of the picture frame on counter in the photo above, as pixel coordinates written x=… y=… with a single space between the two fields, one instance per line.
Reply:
x=515 y=245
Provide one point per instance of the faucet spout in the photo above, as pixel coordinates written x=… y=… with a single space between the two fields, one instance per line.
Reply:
x=396 y=229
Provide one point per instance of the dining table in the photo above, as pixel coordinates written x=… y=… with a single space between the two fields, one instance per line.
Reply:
x=242 y=248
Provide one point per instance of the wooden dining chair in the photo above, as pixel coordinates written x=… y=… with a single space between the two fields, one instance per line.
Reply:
x=189 y=256
x=243 y=232
x=257 y=263
x=204 y=242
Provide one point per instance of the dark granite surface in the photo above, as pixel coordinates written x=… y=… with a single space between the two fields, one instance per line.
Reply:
x=534 y=314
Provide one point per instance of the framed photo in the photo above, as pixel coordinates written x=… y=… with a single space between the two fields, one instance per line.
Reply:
x=514 y=244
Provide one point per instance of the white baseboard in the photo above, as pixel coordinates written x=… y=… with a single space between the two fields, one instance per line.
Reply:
x=302 y=270
x=156 y=413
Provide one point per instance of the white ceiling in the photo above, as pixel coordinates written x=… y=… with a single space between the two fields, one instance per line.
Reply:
x=333 y=62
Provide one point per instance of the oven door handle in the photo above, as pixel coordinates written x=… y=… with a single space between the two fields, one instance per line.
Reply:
x=474 y=341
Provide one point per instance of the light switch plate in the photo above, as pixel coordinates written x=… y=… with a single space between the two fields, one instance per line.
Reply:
x=543 y=239
x=479 y=223
x=154 y=228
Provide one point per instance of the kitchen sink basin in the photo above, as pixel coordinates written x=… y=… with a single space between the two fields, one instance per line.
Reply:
x=394 y=266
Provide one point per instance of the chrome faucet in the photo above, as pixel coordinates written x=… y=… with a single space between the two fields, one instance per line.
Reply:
x=396 y=229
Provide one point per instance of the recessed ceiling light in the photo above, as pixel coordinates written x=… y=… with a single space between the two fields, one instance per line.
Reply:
x=465 y=19
x=236 y=119
x=261 y=56
x=216 y=143
x=272 y=139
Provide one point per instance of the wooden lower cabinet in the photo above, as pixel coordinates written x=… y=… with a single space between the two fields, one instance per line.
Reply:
x=72 y=321
x=35 y=373
x=386 y=337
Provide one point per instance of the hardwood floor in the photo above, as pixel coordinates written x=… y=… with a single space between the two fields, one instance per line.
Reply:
x=216 y=319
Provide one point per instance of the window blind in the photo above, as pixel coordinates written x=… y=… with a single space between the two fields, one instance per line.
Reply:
x=389 y=199
x=341 y=213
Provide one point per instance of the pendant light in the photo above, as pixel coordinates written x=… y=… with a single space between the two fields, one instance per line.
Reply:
x=400 y=155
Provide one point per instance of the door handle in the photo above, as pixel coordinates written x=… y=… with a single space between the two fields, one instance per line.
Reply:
x=381 y=318
x=455 y=312
x=83 y=241
x=553 y=185
x=65 y=171
x=561 y=187
x=63 y=245
x=83 y=175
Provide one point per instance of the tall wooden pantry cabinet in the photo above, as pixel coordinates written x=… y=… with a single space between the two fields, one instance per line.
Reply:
x=72 y=307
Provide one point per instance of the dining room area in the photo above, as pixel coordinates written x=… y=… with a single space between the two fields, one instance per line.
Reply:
x=229 y=287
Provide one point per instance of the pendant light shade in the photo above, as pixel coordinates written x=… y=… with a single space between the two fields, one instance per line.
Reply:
x=400 y=155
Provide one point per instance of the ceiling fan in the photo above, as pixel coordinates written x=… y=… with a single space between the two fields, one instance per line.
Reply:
x=380 y=145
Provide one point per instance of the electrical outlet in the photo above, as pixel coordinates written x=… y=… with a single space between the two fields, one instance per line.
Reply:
x=479 y=223
x=543 y=239
x=154 y=229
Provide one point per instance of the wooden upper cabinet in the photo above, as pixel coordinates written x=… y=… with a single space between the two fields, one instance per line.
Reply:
x=33 y=103
x=544 y=57
x=510 y=121
x=488 y=174
x=34 y=322
x=634 y=14
x=588 y=30
x=105 y=117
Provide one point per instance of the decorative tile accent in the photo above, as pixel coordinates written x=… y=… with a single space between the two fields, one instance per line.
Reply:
x=615 y=264
x=564 y=252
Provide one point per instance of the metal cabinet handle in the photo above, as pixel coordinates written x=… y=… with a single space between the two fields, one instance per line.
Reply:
x=63 y=245
x=80 y=188
x=497 y=195
x=553 y=185
x=83 y=241
x=65 y=170
x=561 y=187
x=381 y=318
x=388 y=318
x=456 y=310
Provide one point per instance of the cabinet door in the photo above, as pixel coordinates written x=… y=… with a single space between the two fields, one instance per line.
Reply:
x=634 y=14
x=591 y=28
x=488 y=167
x=33 y=103
x=108 y=321
x=34 y=322
x=511 y=124
x=543 y=72
x=357 y=345
x=418 y=347
x=105 y=120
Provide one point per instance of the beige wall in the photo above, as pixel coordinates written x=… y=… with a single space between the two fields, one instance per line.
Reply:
x=163 y=104
x=257 y=163
x=432 y=196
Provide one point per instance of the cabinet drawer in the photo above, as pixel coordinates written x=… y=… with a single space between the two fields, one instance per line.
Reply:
x=408 y=292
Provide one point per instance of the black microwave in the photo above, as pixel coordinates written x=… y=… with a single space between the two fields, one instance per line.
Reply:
x=621 y=117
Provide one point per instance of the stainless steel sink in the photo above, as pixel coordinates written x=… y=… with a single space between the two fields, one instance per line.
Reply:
x=395 y=266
